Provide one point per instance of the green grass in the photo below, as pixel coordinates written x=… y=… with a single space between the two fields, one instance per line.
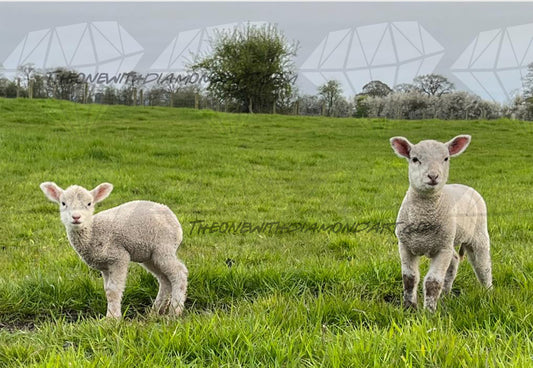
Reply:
x=255 y=299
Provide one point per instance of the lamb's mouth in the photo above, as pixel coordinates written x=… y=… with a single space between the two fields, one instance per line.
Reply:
x=76 y=222
x=433 y=183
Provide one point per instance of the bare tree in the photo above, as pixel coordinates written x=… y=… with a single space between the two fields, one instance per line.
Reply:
x=172 y=85
x=433 y=84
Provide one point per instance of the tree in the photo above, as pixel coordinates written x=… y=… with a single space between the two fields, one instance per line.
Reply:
x=110 y=96
x=309 y=105
x=528 y=91
x=433 y=84
x=28 y=72
x=405 y=88
x=130 y=89
x=361 y=106
x=331 y=94
x=38 y=89
x=527 y=82
x=64 y=84
x=252 y=66
x=376 y=88
x=8 y=88
x=156 y=96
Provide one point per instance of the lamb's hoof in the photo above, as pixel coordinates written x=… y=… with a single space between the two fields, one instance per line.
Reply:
x=176 y=310
x=161 y=308
x=410 y=306
x=430 y=307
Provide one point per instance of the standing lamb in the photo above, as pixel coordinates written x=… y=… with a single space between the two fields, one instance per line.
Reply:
x=435 y=217
x=138 y=231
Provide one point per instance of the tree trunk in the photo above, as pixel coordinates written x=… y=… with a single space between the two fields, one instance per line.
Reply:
x=85 y=93
x=250 y=106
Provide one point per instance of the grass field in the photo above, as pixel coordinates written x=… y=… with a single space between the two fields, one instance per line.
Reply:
x=293 y=296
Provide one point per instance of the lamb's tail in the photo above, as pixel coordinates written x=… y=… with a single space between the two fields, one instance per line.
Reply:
x=462 y=252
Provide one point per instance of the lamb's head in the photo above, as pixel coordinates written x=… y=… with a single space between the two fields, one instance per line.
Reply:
x=76 y=204
x=429 y=160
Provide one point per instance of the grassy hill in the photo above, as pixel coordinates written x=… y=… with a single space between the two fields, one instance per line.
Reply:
x=301 y=291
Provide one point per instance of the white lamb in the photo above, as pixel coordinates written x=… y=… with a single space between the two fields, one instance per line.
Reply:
x=138 y=231
x=435 y=217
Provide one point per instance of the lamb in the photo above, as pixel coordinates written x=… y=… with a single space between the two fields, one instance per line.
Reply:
x=434 y=217
x=140 y=231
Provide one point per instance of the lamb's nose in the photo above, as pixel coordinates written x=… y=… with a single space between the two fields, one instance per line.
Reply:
x=433 y=177
x=76 y=217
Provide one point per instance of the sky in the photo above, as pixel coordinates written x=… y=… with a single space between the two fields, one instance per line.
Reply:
x=481 y=47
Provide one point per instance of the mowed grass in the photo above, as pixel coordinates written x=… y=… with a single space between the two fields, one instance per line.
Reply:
x=291 y=299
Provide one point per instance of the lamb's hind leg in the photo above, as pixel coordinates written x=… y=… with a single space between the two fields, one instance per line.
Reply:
x=479 y=257
x=162 y=301
x=176 y=273
x=451 y=273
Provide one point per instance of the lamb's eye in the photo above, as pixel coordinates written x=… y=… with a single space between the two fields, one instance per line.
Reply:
x=415 y=160
x=446 y=159
x=89 y=204
x=63 y=203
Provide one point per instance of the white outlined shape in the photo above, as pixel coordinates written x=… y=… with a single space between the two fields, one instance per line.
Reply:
x=495 y=62
x=393 y=53
x=97 y=47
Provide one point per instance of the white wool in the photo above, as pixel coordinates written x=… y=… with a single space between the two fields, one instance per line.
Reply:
x=435 y=217
x=140 y=231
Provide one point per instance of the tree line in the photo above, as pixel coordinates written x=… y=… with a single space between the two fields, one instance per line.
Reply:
x=251 y=69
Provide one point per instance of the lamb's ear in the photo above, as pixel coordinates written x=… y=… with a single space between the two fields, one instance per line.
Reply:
x=401 y=146
x=457 y=145
x=51 y=191
x=101 y=192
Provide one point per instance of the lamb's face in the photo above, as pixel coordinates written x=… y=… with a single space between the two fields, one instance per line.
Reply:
x=76 y=205
x=429 y=161
x=429 y=165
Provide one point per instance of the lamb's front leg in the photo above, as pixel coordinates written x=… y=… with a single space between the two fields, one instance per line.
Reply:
x=410 y=277
x=114 y=284
x=434 y=279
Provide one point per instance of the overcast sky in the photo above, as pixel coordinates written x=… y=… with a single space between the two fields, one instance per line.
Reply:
x=453 y=26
